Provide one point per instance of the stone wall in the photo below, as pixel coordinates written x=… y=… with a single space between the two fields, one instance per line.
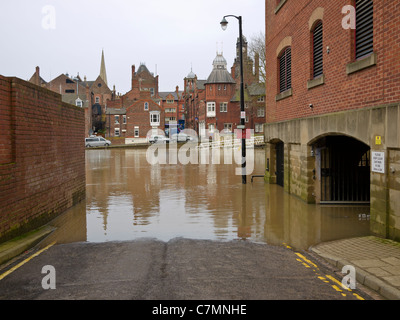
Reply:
x=378 y=127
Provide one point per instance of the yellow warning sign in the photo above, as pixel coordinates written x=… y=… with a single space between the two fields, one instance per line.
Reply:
x=378 y=140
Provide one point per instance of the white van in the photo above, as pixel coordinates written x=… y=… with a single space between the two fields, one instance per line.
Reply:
x=96 y=142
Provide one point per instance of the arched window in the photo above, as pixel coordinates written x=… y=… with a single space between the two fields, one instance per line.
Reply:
x=317 y=43
x=285 y=70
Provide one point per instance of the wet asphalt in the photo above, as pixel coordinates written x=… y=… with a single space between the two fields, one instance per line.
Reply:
x=180 y=269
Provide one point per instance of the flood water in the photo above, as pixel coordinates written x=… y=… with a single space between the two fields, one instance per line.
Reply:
x=127 y=199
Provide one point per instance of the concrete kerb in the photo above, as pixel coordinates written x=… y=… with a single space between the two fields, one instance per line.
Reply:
x=15 y=247
x=362 y=276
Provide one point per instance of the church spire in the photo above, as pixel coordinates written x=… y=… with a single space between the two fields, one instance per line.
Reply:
x=103 y=73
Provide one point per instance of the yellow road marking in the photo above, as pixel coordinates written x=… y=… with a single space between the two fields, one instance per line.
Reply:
x=5 y=274
x=336 y=286
x=306 y=260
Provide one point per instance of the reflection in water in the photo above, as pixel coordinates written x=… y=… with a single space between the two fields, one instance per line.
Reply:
x=128 y=199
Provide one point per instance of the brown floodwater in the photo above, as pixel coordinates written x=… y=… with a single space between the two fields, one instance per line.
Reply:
x=128 y=199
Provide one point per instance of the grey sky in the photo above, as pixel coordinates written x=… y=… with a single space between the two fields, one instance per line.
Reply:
x=172 y=35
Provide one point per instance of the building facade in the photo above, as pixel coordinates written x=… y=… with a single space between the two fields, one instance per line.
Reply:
x=92 y=96
x=214 y=103
x=332 y=104
x=138 y=113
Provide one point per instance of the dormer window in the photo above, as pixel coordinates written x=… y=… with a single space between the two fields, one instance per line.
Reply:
x=78 y=103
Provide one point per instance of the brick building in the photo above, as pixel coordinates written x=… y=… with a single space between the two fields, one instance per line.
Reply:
x=138 y=113
x=173 y=105
x=90 y=95
x=332 y=104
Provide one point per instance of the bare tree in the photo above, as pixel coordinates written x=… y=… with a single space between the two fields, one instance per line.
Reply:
x=257 y=48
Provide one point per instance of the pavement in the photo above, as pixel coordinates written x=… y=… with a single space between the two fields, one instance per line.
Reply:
x=376 y=260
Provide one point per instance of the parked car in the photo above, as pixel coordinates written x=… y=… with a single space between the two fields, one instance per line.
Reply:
x=96 y=142
x=158 y=139
x=182 y=137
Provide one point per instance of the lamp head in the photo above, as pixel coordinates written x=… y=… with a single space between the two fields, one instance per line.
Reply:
x=224 y=24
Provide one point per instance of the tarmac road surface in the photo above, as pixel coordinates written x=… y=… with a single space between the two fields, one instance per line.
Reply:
x=180 y=269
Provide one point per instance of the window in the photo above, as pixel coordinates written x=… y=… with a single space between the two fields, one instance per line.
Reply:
x=136 y=132
x=152 y=91
x=155 y=118
x=124 y=119
x=69 y=91
x=223 y=107
x=78 y=102
x=364 y=28
x=210 y=109
x=146 y=106
x=116 y=119
x=261 y=99
x=285 y=70
x=259 y=127
x=169 y=110
x=170 y=101
x=260 y=112
x=116 y=132
x=228 y=127
x=317 y=50
x=97 y=100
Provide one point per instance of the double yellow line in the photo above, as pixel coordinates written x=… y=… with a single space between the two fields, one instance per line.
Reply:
x=5 y=274
x=337 y=285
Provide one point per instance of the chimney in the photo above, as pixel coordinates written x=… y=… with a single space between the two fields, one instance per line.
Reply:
x=133 y=74
x=37 y=76
x=177 y=89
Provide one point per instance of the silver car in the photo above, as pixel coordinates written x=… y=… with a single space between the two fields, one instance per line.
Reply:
x=96 y=142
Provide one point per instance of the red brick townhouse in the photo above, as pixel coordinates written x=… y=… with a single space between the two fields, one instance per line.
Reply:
x=137 y=113
x=173 y=105
x=332 y=104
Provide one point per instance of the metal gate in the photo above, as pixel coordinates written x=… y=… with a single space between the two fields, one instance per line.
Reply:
x=279 y=147
x=345 y=171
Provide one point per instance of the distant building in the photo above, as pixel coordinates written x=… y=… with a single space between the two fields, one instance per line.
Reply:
x=138 y=113
x=214 y=104
x=90 y=95
x=173 y=105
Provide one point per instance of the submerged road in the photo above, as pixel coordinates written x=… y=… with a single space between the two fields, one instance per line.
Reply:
x=180 y=269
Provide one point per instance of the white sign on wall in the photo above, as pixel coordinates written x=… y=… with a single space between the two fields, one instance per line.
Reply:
x=378 y=162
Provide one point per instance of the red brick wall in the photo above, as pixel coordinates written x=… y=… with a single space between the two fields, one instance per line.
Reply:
x=42 y=168
x=137 y=116
x=376 y=85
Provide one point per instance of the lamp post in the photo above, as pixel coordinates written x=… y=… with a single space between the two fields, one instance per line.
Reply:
x=224 y=25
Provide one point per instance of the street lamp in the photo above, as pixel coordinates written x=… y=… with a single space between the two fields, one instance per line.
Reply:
x=224 y=25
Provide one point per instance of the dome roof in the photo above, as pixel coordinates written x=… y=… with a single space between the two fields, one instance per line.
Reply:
x=191 y=75
x=220 y=61
x=219 y=73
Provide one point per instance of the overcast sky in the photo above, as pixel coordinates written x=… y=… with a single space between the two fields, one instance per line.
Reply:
x=169 y=36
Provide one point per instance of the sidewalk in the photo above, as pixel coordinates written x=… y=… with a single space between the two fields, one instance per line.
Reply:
x=376 y=260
